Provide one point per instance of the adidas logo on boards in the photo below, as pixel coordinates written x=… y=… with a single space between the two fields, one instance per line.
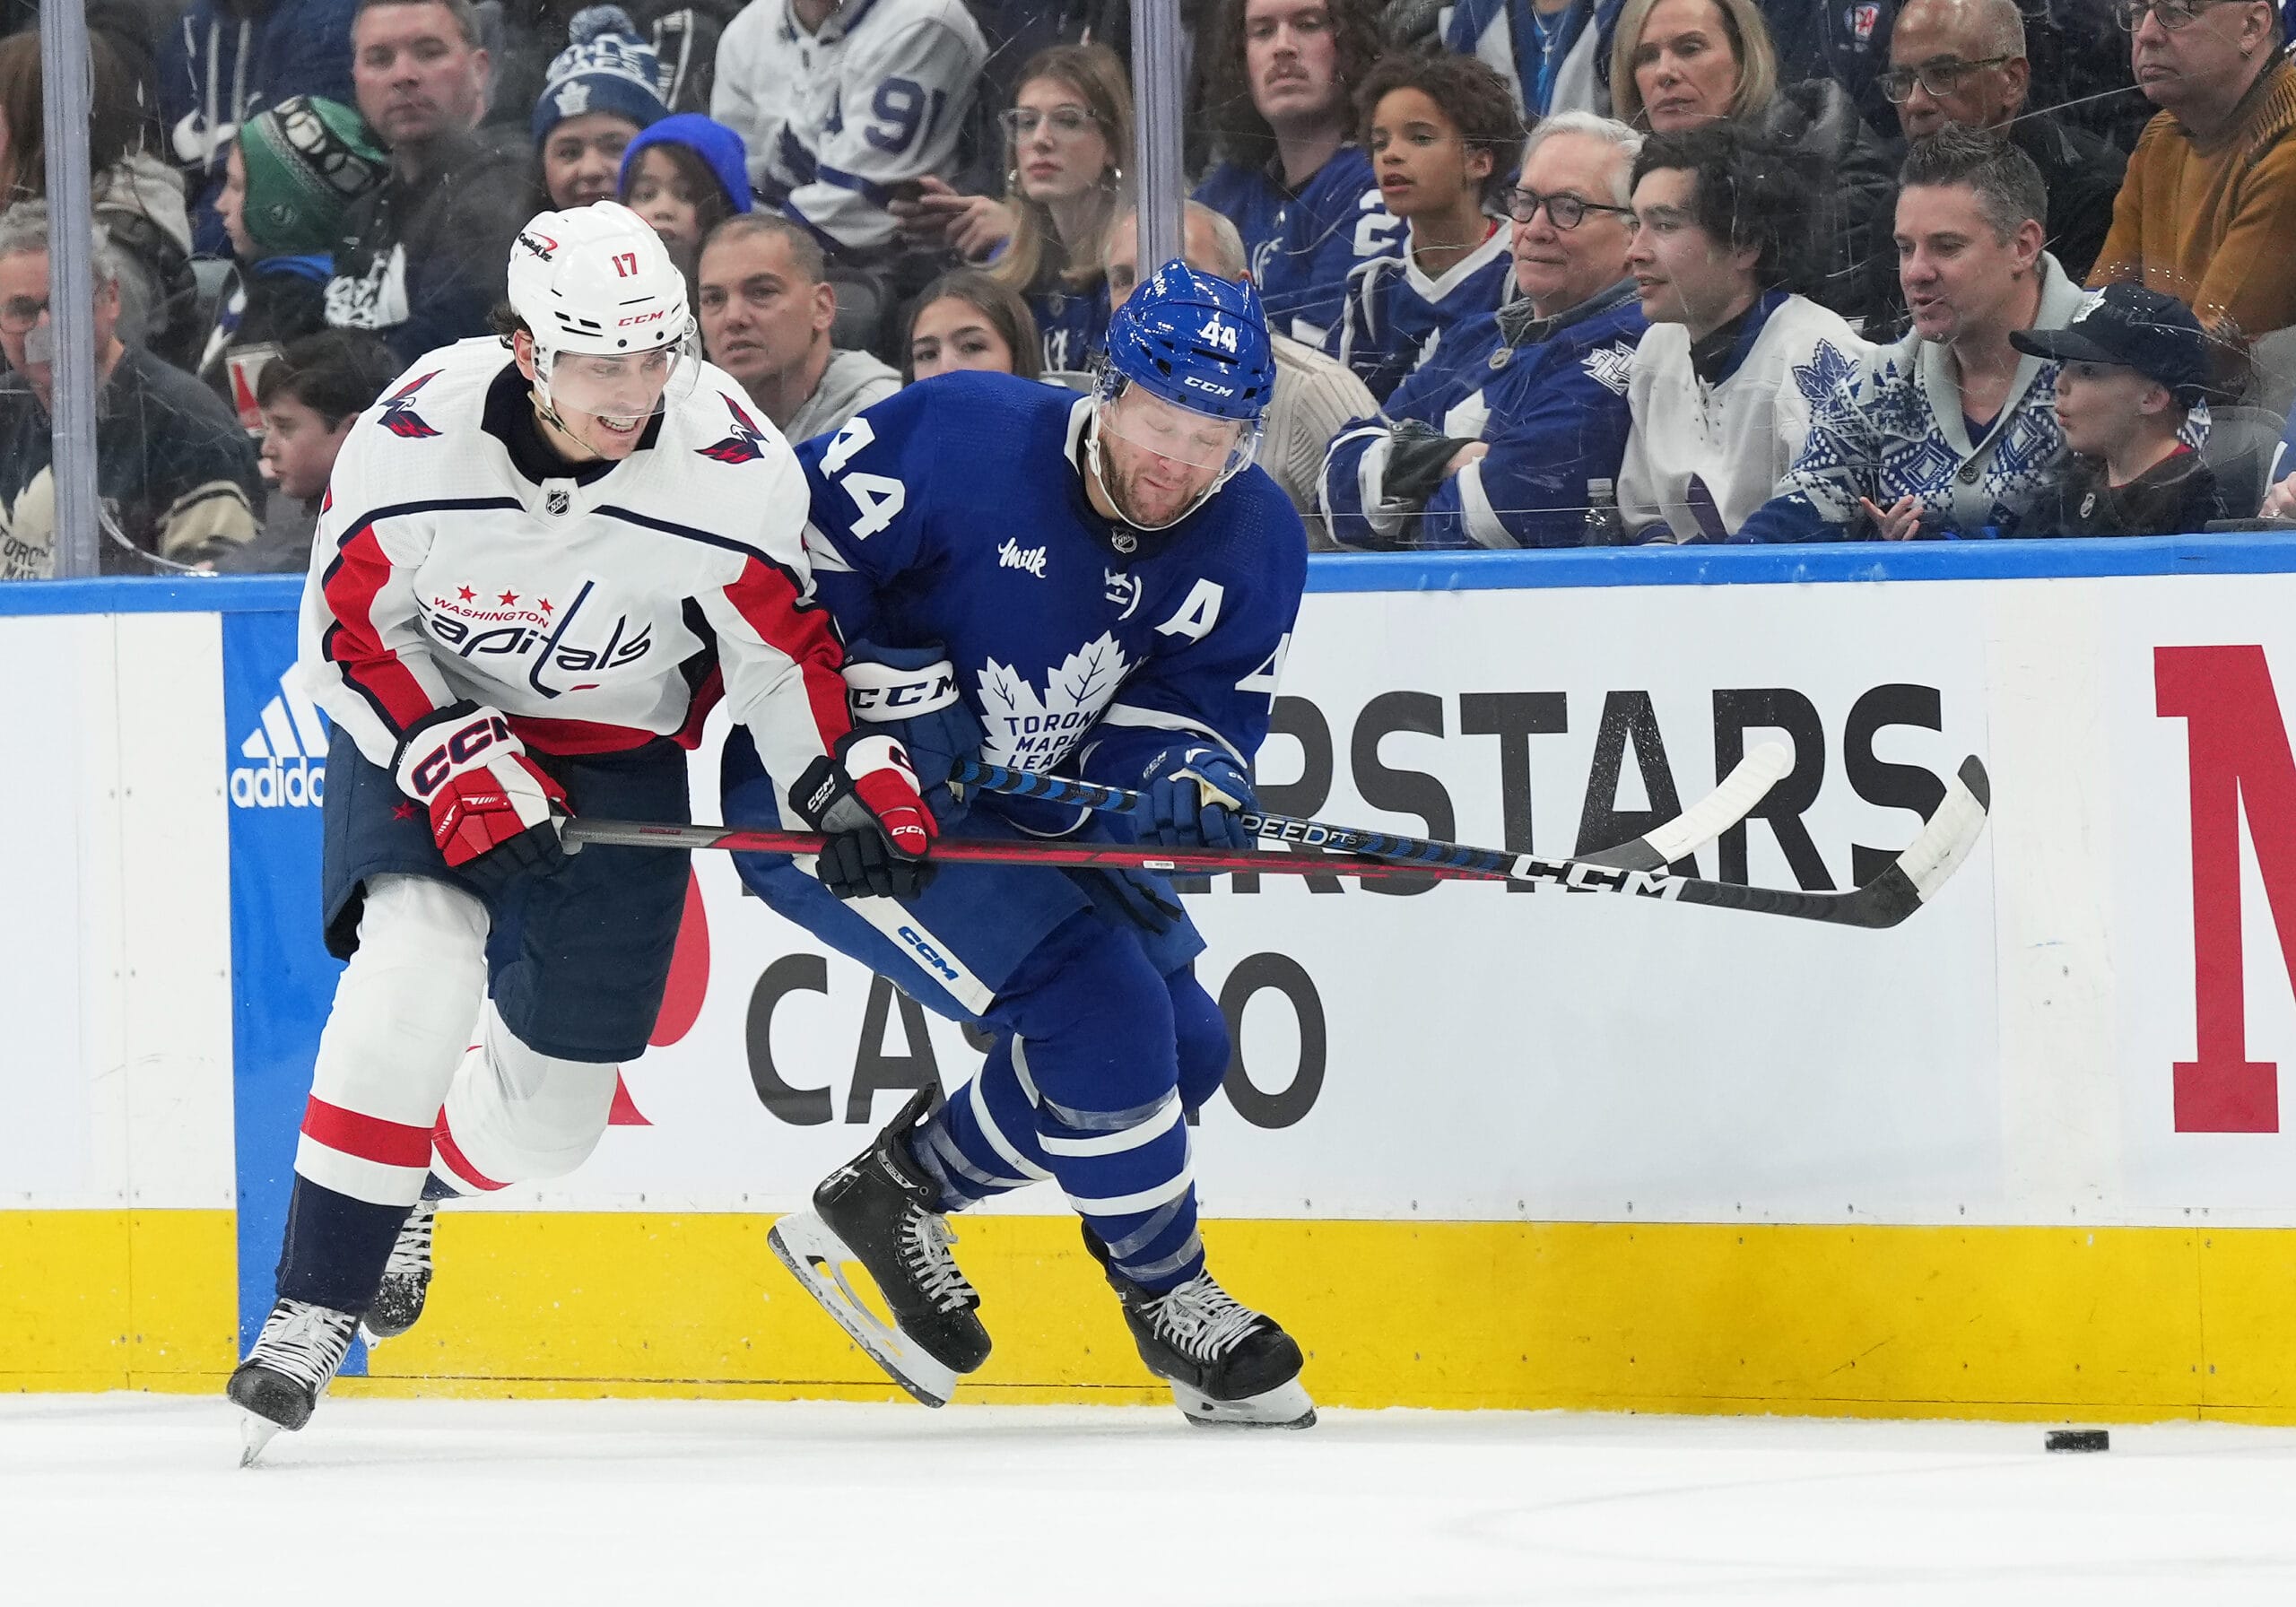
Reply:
x=288 y=755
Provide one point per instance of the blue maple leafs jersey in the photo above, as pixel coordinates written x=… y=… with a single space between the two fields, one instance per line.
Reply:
x=1396 y=315
x=954 y=514
x=1301 y=247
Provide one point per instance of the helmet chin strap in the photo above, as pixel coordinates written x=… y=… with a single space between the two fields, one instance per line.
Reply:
x=543 y=405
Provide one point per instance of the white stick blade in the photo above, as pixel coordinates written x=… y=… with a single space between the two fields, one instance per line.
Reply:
x=1948 y=837
x=1746 y=785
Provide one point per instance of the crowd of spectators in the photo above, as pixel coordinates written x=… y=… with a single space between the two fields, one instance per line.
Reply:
x=1540 y=274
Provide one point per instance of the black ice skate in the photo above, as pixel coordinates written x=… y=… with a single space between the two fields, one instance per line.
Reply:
x=407 y=1276
x=881 y=1210
x=293 y=1361
x=1229 y=1366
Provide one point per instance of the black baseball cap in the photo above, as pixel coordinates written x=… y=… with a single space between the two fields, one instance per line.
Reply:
x=2131 y=327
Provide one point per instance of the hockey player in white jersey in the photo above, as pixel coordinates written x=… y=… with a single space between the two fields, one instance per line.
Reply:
x=843 y=102
x=524 y=596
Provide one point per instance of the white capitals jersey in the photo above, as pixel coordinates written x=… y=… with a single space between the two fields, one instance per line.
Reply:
x=834 y=119
x=596 y=616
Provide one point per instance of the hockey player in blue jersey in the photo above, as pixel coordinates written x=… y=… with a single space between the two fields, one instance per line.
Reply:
x=1103 y=586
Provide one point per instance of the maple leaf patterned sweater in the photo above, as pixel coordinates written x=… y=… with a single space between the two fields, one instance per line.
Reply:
x=1894 y=427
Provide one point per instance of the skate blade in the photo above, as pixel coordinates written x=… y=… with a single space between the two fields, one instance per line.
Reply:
x=254 y=1433
x=816 y=1257
x=1286 y=1406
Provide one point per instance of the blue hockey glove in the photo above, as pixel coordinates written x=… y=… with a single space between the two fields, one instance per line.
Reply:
x=910 y=695
x=1145 y=898
x=1195 y=796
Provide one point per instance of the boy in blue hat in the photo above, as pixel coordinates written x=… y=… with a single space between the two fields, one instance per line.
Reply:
x=603 y=90
x=2136 y=364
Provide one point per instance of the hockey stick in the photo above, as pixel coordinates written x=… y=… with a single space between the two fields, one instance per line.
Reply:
x=1743 y=787
x=1911 y=879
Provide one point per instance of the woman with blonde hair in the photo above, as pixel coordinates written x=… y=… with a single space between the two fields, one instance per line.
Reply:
x=1676 y=64
x=1068 y=133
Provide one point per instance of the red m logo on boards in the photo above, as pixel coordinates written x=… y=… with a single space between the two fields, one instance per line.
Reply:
x=2239 y=758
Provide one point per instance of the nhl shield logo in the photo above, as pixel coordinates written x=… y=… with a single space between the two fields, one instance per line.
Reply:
x=558 y=501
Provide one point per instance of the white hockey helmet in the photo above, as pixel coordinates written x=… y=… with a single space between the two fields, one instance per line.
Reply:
x=595 y=282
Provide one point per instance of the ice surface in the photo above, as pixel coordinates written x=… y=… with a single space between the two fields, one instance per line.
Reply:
x=134 y=1499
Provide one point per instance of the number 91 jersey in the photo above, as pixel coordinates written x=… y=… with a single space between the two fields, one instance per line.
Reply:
x=954 y=514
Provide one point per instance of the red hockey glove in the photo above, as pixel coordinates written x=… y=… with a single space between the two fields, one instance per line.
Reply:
x=866 y=801
x=485 y=796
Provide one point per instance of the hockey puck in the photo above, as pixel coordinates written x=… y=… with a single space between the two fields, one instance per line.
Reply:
x=2077 y=1439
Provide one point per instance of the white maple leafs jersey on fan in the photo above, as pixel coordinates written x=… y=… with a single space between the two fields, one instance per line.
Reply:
x=596 y=616
x=952 y=514
x=879 y=96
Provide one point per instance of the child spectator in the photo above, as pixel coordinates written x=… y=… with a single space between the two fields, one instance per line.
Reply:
x=968 y=319
x=290 y=179
x=1677 y=64
x=1444 y=137
x=601 y=91
x=2135 y=365
x=1298 y=190
x=308 y=396
x=842 y=104
x=1950 y=430
x=1732 y=362
x=1496 y=442
x=227 y=60
x=684 y=176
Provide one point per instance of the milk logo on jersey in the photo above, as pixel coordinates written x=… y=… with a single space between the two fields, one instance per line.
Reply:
x=399 y=416
x=1030 y=731
x=483 y=623
x=1011 y=556
x=745 y=445
x=286 y=754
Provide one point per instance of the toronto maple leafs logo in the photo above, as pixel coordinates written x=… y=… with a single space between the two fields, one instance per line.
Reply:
x=1032 y=731
x=1610 y=367
x=745 y=445
x=1828 y=368
x=399 y=416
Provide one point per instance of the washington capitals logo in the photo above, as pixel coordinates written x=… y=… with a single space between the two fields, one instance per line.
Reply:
x=745 y=445
x=399 y=416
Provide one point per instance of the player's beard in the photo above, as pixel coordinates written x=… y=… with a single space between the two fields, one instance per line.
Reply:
x=1147 y=506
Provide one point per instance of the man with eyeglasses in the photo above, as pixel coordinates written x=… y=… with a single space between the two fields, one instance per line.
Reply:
x=2208 y=210
x=845 y=105
x=176 y=472
x=1495 y=442
x=1963 y=63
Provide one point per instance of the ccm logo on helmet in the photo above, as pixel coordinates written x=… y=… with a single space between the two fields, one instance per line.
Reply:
x=1206 y=384
x=643 y=318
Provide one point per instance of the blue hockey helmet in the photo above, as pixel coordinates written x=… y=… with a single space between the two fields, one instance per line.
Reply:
x=1197 y=341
